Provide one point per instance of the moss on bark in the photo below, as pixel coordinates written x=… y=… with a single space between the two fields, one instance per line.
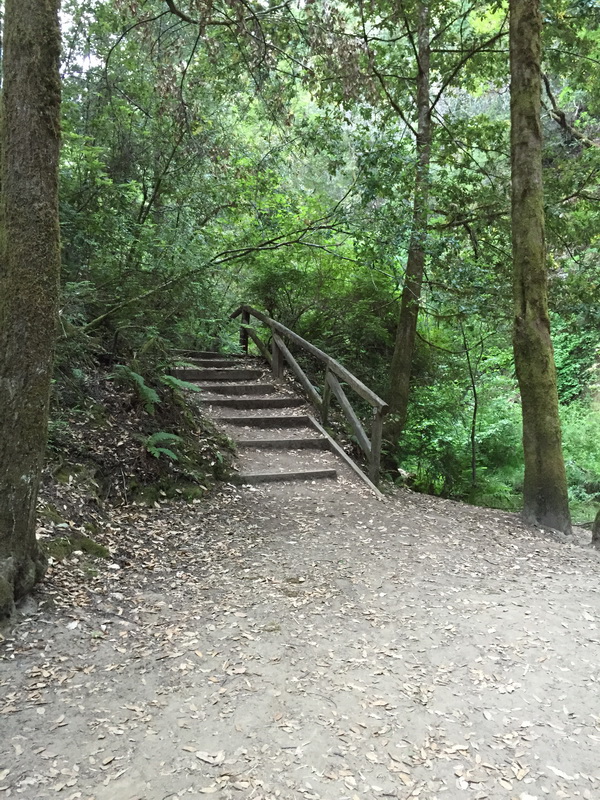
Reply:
x=596 y=532
x=545 y=497
x=29 y=273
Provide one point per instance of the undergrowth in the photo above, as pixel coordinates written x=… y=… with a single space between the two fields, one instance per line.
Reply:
x=136 y=431
x=435 y=452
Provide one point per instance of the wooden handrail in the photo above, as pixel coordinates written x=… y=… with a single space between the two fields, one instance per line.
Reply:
x=335 y=366
x=333 y=371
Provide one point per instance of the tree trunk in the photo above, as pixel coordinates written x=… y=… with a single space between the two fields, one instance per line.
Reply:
x=473 y=382
x=596 y=532
x=29 y=274
x=545 y=499
x=400 y=369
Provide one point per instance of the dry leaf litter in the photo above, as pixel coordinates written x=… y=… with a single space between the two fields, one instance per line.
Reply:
x=308 y=641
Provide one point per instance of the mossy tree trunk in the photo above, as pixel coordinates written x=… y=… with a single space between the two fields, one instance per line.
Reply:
x=545 y=499
x=29 y=274
x=406 y=332
x=596 y=532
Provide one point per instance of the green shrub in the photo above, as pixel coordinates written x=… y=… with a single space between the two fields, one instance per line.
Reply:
x=581 y=448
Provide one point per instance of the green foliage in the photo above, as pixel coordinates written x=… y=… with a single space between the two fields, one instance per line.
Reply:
x=580 y=427
x=436 y=447
x=147 y=395
x=291 y=188
x=574 y=354
x=178 y=385
x=154 y=444
x=342 y=310
x=434 y=443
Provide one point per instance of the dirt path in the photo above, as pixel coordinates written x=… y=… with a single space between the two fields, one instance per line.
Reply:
x=309 y=642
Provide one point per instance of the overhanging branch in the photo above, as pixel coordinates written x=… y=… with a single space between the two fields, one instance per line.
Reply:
x=559 y=116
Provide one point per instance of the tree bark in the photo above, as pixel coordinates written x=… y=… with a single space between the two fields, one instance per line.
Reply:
x=596 y=532
x=404 y=346
x=545 y=497
x=29 y=275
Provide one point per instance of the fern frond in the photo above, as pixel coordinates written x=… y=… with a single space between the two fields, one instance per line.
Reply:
x=162 y=436
x=147 y=394
x=156 y=451
x=177 y=384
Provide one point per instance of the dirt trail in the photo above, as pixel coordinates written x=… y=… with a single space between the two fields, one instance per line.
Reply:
x=309 y=641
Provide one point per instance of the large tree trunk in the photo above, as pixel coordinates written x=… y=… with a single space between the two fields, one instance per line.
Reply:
x=545 y=489
x=29 y=273
x=596 y=532
x=401 y=366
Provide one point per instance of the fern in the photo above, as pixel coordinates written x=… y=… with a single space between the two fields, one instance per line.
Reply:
x=177 y=384
x=163 y=436
x=152 y=442
x=156 y=451
x=147 y=394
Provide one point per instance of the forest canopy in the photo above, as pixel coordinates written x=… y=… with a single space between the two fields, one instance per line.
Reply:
x=333 y=163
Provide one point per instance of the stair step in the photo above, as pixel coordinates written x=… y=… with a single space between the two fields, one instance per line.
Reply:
x=219 y=363
x=267 y=422
x=196 y=354
x=272 y=477
x=199 y=374
x=238 y=388
x=254 y=402
x=316 y=443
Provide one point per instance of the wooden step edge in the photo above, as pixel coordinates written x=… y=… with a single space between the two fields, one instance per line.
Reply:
x=308 y=443
x=196 y=353
x=299 y=421
x=236 y=372
x=275 y=477
x=216 y=363
x=193 y=374
x=250 y=403
x=210 y=354
x=238 y=389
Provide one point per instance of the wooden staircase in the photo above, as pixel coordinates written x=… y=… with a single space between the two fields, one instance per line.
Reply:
x=276 y=430
x=275 y=436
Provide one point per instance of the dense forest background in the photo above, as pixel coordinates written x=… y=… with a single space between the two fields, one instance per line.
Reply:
x=270 y=153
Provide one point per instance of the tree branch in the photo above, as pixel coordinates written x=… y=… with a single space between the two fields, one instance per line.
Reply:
x=559 y=116
x=460 y=64
x=296 y=237
x=181 y=14
x=394 y=104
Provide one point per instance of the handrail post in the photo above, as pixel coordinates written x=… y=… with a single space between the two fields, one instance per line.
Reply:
x=243 y=331
x=276 y=359
x=376 y=436
x=326 y=398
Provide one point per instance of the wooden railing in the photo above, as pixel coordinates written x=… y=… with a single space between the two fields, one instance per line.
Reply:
x=334 y=373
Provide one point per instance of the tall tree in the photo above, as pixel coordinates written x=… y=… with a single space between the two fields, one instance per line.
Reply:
x=402 y=62
x=401 y=366
x=545 y=487
x=29 y=273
